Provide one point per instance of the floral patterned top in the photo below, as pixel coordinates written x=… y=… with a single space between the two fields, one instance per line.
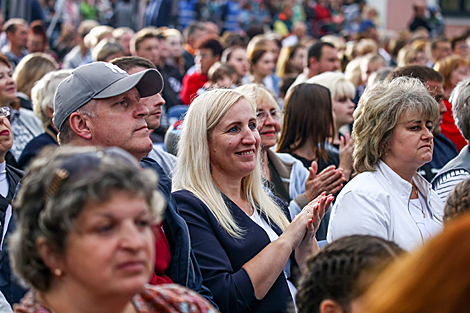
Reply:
x=168 y=298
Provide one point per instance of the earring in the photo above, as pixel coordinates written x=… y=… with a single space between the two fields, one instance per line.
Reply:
x=58 y=272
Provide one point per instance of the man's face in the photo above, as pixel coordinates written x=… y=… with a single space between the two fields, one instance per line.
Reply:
x=19 y=37
x=461 y=49
x=148 y=49
x=205 y=59
x=436 y=90
x=443 y=49
x=328 y=61
x=153 y=103
x=120 y=122
x=163 y=49
x=198 y=37
x=35 y=43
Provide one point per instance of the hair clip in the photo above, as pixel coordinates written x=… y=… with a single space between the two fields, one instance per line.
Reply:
x=60 y=175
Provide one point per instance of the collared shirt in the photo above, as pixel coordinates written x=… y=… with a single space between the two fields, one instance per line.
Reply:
x=376 y=203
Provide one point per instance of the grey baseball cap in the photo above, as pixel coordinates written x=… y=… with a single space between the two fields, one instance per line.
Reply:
x=100 y=80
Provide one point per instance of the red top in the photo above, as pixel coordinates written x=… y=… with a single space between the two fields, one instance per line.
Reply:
x=162 y=258
x=450 y=130
x=191 y=84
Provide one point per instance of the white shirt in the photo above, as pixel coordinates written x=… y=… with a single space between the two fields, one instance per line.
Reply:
x=376 y=203
x=273 y=236
x=445 y=183
x=422 y=216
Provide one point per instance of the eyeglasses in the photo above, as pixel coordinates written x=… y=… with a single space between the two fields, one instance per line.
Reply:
x=262 y=116
x=4 y=111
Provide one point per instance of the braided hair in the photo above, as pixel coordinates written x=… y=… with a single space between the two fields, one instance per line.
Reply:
x=334 y=272
x=458 y=201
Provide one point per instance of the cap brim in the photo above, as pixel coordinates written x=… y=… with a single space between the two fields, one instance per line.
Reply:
x=148 y=83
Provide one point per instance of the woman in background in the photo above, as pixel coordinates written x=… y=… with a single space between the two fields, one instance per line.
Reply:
x=261 y=59
x=287 y=177
x=31 y=69
x=42 y=96
x=342 y=92
x=454 y=69
x=308 y=125
x=236 y=57
x=24 y=125
x=291 y=61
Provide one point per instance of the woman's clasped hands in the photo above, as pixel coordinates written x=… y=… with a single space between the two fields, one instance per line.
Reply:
x=300 y=234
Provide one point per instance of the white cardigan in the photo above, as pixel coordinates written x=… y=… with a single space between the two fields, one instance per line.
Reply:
x=376 y=203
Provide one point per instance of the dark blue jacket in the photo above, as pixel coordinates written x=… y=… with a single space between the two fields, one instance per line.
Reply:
x=35 y=145
x=184 y=269
x=221 y=257
x=444 y=151
x=9 y=283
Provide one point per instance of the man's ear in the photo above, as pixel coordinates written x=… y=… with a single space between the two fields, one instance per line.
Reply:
x=330 y=306
x=312 y=63
x=80 y=125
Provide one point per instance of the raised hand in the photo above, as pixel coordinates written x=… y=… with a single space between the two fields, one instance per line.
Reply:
x=330 y=181
x=346 y=149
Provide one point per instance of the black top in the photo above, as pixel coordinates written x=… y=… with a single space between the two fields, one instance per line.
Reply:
x=333 y=159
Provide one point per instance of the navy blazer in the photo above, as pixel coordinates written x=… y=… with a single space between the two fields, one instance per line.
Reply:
x=183 y=269
x=221 y=257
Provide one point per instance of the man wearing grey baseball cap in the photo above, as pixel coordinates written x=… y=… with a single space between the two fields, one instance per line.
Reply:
x=99 y=105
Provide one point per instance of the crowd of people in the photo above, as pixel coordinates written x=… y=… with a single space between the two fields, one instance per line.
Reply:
x=233 y=156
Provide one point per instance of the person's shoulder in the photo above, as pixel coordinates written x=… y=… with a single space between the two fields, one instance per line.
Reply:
x=15 y=171
x=286 y=157
x=171 y=298
x=366 y=182
x=184 y=195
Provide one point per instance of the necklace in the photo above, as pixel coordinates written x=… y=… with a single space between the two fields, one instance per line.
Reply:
x=414 y=189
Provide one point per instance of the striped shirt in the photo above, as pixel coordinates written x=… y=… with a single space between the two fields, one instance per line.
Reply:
x=445 y=183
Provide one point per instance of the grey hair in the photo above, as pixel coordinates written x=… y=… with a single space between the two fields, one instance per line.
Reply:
x=48 y=204
x=460 y=107
x=42 y=94
x=66 y=134
x=378 y=112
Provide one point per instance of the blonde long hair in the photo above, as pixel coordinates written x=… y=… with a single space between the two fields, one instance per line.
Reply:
x=193 y=170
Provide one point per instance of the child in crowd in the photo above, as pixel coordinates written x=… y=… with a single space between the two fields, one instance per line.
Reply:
x=342 y=272
x=458 y=202
x=220 y=76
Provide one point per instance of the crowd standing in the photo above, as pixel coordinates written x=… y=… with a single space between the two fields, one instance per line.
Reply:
x=232 y=156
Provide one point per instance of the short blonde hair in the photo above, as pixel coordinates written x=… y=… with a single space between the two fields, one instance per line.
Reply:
x=259 y=93
x=140 y=36
x=105 y=49
x=42 y=94
x=379 y=110
x=193 y=170
x=31 y=69
x=353 y=71
x=336 y=82
x=96 y=34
